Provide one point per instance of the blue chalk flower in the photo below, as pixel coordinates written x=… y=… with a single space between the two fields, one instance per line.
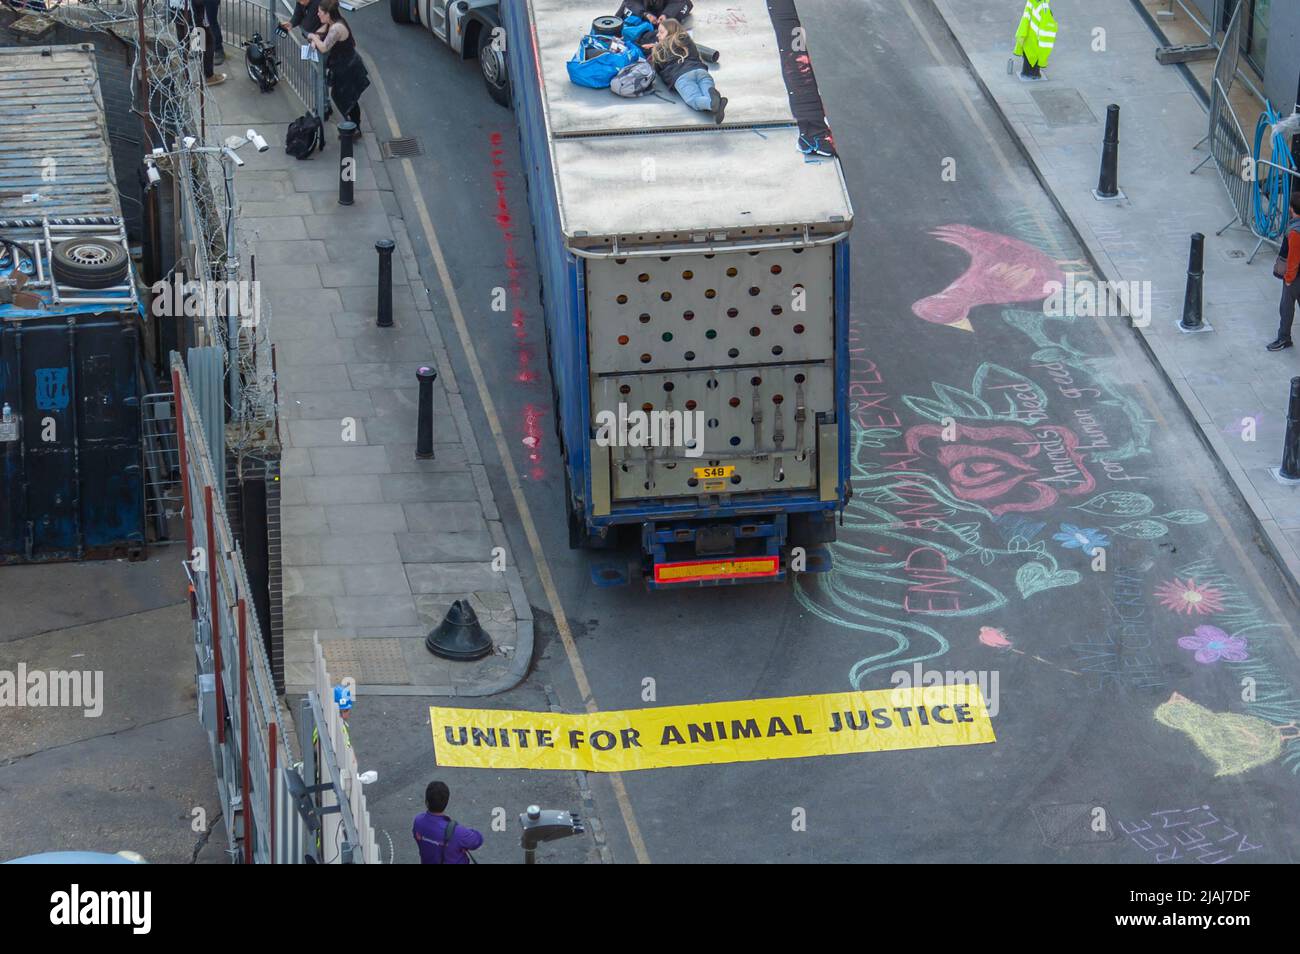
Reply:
x=1079 y=538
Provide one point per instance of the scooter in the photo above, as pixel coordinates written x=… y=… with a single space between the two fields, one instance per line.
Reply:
x=262 y=62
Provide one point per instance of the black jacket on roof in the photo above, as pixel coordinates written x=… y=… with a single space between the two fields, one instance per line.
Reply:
x=672 y=68
x=676 y=9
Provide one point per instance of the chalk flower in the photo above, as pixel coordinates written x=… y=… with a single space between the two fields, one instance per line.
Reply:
x=1077 y=538
x=1189 y=598
x=1210 y=644
x=992 y=636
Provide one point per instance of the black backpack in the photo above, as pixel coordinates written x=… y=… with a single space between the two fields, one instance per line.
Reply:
x=306 y=135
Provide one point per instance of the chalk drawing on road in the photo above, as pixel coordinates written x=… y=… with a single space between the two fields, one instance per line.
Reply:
x=995 y=638
x=1234 y=743
x=1002 y=270
x=1209 y=644
x=1189 y=598
x=1187 y=836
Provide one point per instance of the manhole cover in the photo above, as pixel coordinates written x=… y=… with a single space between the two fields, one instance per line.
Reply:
x=402 y=148
x=1063 y=107
x=374 y=662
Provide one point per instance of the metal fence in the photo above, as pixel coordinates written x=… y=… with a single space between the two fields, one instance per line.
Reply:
x=240 y=19
x=276 y=810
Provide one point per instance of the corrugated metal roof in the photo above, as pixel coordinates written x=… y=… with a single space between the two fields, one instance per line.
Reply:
x=53 y=136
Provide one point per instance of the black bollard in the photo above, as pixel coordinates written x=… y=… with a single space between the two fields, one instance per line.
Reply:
x=1108 y=181
x=347 y=165
x=385 y=249
x=424 y=423
x=1191 y=320
x=1291 y=448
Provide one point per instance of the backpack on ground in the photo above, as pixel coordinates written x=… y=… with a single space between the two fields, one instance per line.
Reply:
x=306 y=135
x=635 y=79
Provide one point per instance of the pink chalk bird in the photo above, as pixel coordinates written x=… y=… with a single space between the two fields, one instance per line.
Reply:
x=1002 y=271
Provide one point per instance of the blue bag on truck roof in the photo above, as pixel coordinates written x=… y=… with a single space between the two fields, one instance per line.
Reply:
x=598 y=60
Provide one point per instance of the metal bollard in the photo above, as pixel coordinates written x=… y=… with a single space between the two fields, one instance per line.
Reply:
x=1290 y=469
x=1108 y=181
x=347 y=165
x=424 y=424
x=1191 y=320
x=385 y=249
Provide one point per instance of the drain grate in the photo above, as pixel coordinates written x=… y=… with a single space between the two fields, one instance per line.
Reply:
x=374 y=661
x=403 y=148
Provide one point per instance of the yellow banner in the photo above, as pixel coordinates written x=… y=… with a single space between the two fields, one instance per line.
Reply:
x=795 y=727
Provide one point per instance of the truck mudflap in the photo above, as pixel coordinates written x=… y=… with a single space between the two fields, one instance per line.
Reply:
x=678 y=554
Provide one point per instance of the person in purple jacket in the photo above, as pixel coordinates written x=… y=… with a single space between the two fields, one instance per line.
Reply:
x=440 y=840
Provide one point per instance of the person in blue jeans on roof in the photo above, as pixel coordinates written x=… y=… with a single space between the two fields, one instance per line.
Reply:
x=679 y=64
x=440 y=840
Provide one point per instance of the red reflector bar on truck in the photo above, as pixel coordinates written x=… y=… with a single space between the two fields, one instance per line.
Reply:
x=689 y=570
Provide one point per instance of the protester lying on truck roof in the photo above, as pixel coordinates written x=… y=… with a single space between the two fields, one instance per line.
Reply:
x=679 y=64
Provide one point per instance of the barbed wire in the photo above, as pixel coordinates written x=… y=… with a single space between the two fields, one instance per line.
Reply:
x=178 y=108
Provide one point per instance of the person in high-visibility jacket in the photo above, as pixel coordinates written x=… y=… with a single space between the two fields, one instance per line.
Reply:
x=1035 y=37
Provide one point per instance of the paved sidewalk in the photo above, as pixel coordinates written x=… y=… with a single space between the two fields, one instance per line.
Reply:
x=376 y=544
x=1225 y=376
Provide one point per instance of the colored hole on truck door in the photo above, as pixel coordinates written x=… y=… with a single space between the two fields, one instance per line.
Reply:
x=690 y=356
x=710 y=293
x=625 y=389
x=753 y=291
x=799 y=379
x=733 y=312
x=734 y=442
x=688 y=274
x=621 y=299
x=775 y=269
x=667 y=336
x=692 y=482
x=666 y=296
x=755 y=381
x=623 y=339
x=647 y=407
x=645 y=317
x=668 y=385
x=690 y=405
x=712 y=422
x=734 y=402
x=711 y=384
x=777 y=398
x=777 y=350
x=755 y=331
x=733 y=352
x=643 y=277
x=645 y=358
x=732 y=272
x=688 y=315
x=798 y=329
x=776 y=309
x=710 y=334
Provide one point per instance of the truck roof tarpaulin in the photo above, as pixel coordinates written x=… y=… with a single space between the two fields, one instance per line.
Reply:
x=796 y=67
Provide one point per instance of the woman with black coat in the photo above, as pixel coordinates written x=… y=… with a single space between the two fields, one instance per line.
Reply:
x=655 y=10
x=344 y=69
x=677 y=61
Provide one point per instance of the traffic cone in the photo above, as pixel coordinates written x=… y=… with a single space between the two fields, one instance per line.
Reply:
x=459 y=636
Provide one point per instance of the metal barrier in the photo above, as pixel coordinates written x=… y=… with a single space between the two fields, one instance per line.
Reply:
x=240 y=19
x=162 y=490
x=270 y=816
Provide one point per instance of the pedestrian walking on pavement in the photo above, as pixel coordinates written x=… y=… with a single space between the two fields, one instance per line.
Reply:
x=211 y=14
x=344 y=69
x=440 y=840
x=1290 y=276
x=1035 y=38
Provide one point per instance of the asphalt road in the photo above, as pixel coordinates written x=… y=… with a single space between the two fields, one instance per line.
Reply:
x=1114 y=742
